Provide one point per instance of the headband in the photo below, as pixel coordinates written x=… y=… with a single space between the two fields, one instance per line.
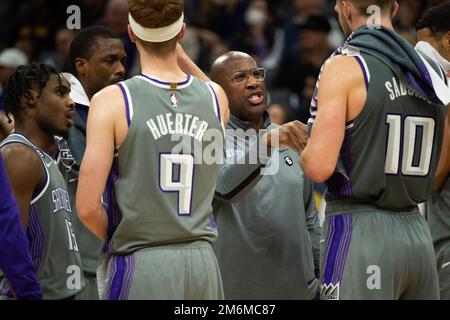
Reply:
x=156 y=34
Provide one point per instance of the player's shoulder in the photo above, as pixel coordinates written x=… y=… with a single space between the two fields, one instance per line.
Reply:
x=109 y=98
x=341 y=64
x=23 y=158
x=342 y=69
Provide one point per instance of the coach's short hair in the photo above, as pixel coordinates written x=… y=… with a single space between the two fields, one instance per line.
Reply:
x=437 y=19
x=83 y=43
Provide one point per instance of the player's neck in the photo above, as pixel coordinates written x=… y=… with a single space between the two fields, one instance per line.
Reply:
x=385 y=21
x=36 y=135
x=166 y=69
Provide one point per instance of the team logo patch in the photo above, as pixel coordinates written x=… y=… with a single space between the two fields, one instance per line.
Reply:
x=288 y=161
x=329 y=291
x=174 y=100
x=65 y=154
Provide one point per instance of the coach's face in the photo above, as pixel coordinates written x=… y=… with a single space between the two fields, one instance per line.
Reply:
x=105 y=66
x=244 y=85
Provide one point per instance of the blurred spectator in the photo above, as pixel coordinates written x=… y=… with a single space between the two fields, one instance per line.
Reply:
x=298 y=71
x=223 y=17
x=407 y=17
x=301 y=10
x=91 y=11
x=278 y=114
x=63 y=40
x=116 y=18
x=262 y=38
x=10 y=59
x=203 y=46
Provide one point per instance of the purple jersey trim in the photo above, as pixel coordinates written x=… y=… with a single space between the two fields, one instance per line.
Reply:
x=167 y=83
x=361 y=64
x=127 y=106
x=109 y=200
x=35 y=237
x=217 y=103
x=340 y=185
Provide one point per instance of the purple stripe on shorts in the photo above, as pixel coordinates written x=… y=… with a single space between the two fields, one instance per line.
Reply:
x=129 y=270
x=338 y=244
x=117 y=279
x=113 y=274
x=127 y=107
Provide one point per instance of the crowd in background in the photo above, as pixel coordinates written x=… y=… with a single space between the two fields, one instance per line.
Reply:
x=290 y=38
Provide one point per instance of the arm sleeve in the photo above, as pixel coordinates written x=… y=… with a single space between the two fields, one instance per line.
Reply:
x=238 y=175
x=15 y=259
x=312 y=222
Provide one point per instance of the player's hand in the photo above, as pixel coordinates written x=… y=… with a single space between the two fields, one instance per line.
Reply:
x=292 y=135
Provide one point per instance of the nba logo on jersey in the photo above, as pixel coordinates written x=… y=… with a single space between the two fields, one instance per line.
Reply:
x=174 y=100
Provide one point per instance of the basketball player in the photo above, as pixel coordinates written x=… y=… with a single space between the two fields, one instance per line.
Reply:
x=15 y=259
x=377 y=126
x=98 y=60
x=433 y=33
x=38 y=98
x=161 y=230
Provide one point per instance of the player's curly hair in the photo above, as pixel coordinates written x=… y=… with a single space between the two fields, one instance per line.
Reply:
x=27 y=77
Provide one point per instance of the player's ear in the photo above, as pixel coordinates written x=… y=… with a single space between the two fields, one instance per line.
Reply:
x=131 y=34
x=30 y=98
x=182 y=33
x=80 y=66
x=395 y=9
x=347 y=10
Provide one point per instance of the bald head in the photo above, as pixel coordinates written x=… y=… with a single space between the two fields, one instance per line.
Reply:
x=224 y=63
x=243 y=82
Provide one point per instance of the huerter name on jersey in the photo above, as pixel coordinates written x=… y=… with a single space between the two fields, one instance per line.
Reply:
x=182 y=124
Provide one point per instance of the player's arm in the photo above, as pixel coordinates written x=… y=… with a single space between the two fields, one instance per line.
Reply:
x=187 y=65
x=97 y=159
x=320 y=156
x=443 y=169
x=26 y=172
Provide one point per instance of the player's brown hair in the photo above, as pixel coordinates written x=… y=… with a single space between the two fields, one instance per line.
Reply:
x=156 y=14
x=386 y=6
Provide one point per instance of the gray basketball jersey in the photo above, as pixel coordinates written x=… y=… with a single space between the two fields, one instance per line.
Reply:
x=166 y=179
x=53 y=245
x=390 y=150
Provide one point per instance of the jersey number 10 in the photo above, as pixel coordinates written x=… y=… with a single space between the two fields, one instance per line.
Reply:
x=184 y=184
x=404 y=138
